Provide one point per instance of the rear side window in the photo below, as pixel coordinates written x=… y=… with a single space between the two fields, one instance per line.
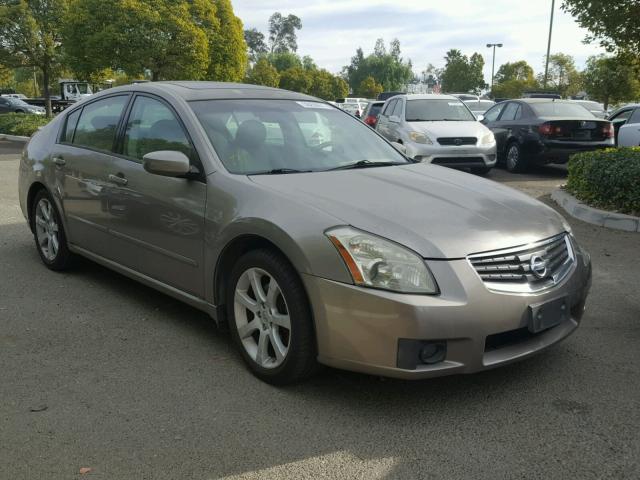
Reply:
x=98 y=122
x=70 y=126
x=152 y=126
x=635 y=118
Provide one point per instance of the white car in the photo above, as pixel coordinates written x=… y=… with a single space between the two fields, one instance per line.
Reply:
x=438 y=129
x=626 y=123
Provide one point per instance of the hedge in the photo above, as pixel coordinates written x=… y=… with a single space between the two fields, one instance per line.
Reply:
x=607 y=179
x=21 y=123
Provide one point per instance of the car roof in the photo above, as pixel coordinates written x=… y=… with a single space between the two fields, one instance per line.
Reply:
x=426 y=96
x=539 y=100
x=194 y=90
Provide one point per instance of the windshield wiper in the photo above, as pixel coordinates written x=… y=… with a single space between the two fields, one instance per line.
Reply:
x=280 y=171
x=363 y=164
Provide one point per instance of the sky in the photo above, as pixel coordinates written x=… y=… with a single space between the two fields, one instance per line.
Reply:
x=332 y=30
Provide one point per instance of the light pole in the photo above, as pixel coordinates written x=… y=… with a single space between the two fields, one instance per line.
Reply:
x=546 y=66
x=493 y=62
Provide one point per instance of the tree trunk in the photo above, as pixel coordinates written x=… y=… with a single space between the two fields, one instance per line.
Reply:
x=154 y=76
x=47 y=93
x=606 y=103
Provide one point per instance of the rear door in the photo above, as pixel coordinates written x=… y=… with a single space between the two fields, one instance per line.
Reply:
x=629 y=134
x=157 y=222
x=82 y=159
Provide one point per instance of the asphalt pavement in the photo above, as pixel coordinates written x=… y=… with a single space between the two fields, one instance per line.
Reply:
x=99 y=372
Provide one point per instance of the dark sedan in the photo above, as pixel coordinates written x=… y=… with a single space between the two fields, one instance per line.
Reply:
x=536 y=131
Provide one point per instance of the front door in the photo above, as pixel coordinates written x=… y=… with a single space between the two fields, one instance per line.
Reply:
x=157 y=222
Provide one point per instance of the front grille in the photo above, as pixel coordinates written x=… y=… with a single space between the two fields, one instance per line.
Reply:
x=457 y=141
x=528 y=268
x=457 y=160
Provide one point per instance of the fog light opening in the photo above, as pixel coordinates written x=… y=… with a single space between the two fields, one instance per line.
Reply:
x=431 y=353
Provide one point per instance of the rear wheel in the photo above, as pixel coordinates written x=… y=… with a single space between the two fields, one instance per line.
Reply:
x=270 y=318
x=515 y=159
x=49 y=234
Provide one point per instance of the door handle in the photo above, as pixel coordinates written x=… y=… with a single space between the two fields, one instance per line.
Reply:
x=59 y=161
x=119 y=179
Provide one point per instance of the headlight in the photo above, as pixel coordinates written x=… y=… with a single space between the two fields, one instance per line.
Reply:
x=379 y=263
x=420 y=138
x=488 y=139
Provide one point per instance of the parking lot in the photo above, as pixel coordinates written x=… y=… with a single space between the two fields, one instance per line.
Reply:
x=100 y=372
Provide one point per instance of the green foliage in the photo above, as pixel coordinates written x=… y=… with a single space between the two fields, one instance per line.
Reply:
x=611 y=79
x=563 y=77
x=6 y=76
x=512 y=79
x=284 y=60
x=255 y=44
x=614 y=24
x=608 y=179
x=282 y=33
x=462 y=73
x=30 y=36
x=369 y=88
x=169 y=38
x=296 y=79
x=387 y=68
x=21 y=124
x=263 y=73
x=228 y=50
x=324 y=85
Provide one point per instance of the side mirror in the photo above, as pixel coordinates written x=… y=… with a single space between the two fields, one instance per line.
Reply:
x=400 y=147
x=168 y=163
x=394 y=119
x=480 y=117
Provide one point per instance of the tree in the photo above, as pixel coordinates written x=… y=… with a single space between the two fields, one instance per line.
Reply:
x=282 y=33
x=387 y=69
x=463 y=74
x=30 y=36
x=255 y=44
x=513 y=79
x=611 y=79
x=228 y=50
x=263 y=73
x=168 y=38
x=563 y=77
x=284 y=60
x=614 y=24
x=369 y=88
x=308 y=63
x=6 y=76
x=340 y=87
x=296 y=79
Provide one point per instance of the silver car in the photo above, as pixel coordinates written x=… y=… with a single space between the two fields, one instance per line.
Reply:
x=438 y=129
x=304 y=231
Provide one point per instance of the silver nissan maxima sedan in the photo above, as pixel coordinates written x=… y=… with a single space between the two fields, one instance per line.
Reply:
x=309 y=235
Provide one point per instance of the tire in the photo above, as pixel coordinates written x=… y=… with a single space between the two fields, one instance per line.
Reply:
x=258 y=321
x=49 y=234
x=481 y=170
x=514 y=158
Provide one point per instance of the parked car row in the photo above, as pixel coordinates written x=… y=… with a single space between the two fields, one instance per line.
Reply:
x=11 y=104
x=477 y=134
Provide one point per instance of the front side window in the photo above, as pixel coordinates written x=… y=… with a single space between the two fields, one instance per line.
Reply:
x=433 y=110
x=397 y=111
x=98 y=122
x=389 y=108
x=510 y=112
x=259 y=136
x=493 y=114
x=635 y=118
x=622 y=117
x=153 y=126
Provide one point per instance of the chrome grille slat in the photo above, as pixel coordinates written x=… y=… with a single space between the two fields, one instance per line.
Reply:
x=510 y=269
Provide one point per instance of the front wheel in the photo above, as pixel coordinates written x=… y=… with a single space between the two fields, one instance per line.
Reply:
x=270 y=318
x=515 y=159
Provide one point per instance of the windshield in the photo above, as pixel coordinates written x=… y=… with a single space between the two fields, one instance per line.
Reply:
x=434 y=110
x=561 y=109
x=286 y=136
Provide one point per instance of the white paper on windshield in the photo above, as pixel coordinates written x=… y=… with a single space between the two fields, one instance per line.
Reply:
x=315 y=105
x=455 y=104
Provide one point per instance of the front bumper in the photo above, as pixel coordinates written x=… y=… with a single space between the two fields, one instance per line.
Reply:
x=466 y=156
x=361 y=329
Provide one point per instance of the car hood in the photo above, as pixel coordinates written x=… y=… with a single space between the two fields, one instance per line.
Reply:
x=450 y=129
x=436 y=211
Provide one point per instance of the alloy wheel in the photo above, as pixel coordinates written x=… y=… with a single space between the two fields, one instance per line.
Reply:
x=262 y=318
x=47 y=230
x=513 y=155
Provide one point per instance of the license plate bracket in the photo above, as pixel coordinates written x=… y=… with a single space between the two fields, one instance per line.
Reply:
x=548 y=314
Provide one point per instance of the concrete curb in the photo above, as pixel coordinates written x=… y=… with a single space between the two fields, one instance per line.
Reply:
x=14 y=138
x=602 y=218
